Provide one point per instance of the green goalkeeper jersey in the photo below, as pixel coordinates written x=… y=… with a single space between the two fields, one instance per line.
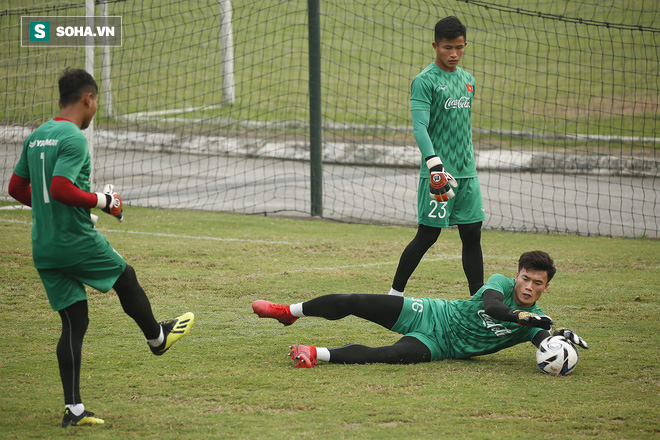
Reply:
x=471 y=332
x=62 y=235
x=441 y=104
x=461 y=328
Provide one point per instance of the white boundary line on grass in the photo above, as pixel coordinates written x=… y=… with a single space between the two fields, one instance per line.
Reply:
x=347 y=266
x=198 y=237
x=244 y=240
x=190 y=237
x=257 y=275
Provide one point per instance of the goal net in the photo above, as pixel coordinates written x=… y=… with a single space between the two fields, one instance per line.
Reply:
x=565 y=116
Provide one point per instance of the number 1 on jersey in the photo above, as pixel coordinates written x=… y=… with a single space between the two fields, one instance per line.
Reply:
x=43 y=175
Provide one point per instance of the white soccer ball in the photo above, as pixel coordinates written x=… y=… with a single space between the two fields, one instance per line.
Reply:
x=556 y=356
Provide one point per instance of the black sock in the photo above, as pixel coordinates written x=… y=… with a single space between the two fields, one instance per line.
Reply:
x=407 y=350
x=69 y=349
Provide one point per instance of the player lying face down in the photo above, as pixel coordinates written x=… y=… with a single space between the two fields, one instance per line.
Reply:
x=501 y=314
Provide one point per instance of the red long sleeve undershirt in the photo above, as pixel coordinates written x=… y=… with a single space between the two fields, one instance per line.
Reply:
x=65 y=192
x=19 y=188
x=61 y=189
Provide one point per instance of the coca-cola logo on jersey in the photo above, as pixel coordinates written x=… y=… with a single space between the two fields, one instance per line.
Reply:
x=462 y=102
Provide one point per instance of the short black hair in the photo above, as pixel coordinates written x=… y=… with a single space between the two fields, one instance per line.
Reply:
x=450 y=28
x=537 y=260
x=73 y=83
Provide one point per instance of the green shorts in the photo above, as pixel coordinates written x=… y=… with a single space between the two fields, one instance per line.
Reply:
x=423 y=319
x=65 y=286
x=465 y=208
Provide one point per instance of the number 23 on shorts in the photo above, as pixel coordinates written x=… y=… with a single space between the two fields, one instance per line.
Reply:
x=438 y=209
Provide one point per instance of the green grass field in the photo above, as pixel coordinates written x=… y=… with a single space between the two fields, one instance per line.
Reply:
x=230 y=378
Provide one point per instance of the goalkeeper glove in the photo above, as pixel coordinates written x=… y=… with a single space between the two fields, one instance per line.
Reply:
x=571 y=337
x=532 y=319
x=110 y=202
x=441 y=181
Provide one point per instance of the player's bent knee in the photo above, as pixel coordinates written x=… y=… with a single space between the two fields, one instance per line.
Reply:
x=355 y=299
x=427 y=235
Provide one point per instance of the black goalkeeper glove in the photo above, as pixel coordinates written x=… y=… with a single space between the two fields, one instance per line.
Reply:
x=571 y=337
x=532 y=319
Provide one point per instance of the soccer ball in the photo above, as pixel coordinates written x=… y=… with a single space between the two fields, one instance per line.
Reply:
x=556 y=356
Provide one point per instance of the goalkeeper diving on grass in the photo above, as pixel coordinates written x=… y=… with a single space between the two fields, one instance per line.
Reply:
x=53 y=177
x=501 y=314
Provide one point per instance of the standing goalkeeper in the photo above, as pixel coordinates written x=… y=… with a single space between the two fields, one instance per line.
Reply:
x=52 y=176
x=448 y=192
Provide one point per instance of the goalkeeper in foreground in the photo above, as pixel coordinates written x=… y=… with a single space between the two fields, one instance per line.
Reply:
x=52 y=176
x=501 y=314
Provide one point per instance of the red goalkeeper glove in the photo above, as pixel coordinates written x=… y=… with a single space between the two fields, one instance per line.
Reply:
x=110 y=202
x=441 y=181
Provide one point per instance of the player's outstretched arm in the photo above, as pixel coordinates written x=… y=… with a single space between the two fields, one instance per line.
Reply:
x=565 y=333
x=494 y=306
x=540 y=337
x=532 y=319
